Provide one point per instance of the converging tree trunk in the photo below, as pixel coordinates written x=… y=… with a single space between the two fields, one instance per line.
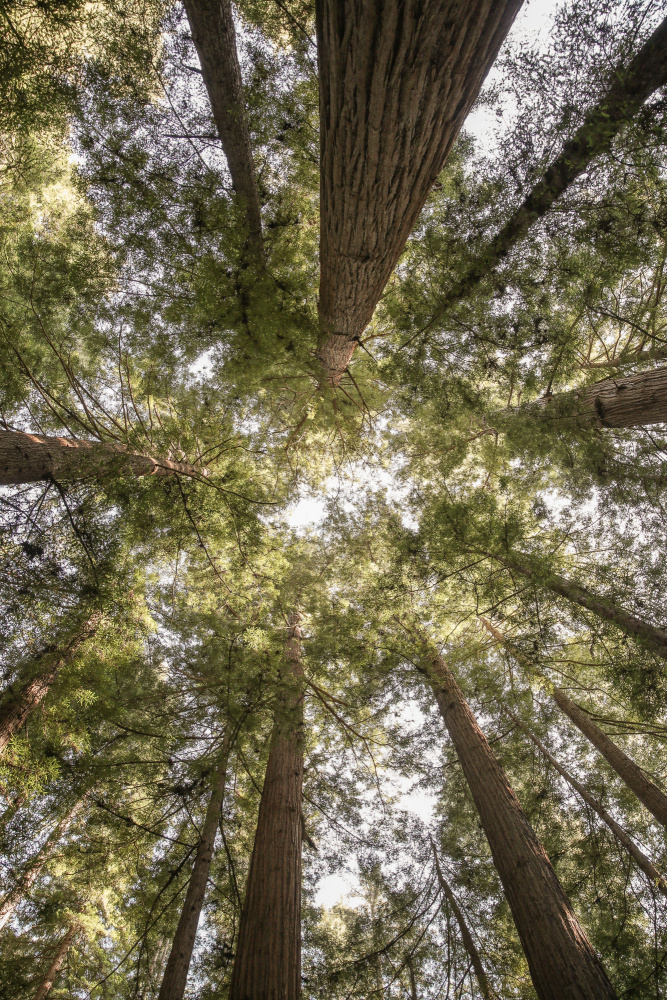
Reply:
x=268 y=957
x=214 y=35
x=396 y=83
x=56 y=964
x=31 y=458
x=646 y=791
x=466 y=936
x=647 y=866
x=560 y=957
x=178 y=963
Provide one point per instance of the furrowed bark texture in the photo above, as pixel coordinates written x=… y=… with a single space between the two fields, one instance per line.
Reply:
x=214 y=35
x=560 y=957
x=649 y=794
x=32 y=872
x=30 y=458
x=396 y=83
x=19 y=705
x=631 y=86
x=466 y=936
x=268 y=957
x=644 y=863
x=178 y=964
x=56 y=964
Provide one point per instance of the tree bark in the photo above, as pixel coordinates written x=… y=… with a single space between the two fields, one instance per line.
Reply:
x=466 y=936
x=32 y=872
x=631 y=86
x=396 y=83
x=214 y=35
x=31 y=458
x=651 y=872
x=560 y=957
x=268 y=957
x=57 y=962
x=19 y=705
x=633 y=776
x=178 y=963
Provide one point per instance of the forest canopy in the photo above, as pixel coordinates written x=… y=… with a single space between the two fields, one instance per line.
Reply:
x=333 y=470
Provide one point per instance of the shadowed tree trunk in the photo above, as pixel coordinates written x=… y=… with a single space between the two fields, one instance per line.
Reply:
x=30 y=458
x=413 y=982
x=466 y=936
x=396 y=83
x=633 y=776
x=17 y=706
x=178 y=963
x=560 y=957
x=631 y=86
x=214 y=35
x=34 y=868
x=56 y=964
x=268 y=957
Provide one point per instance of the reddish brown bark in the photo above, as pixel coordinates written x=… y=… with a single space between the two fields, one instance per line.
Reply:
x=56 y=964
x=30 y=458
x=560 y=957
x=178 y=964
x=396 y=83
x=268 y=957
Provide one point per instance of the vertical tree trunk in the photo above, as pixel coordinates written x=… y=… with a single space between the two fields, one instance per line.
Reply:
x=396 y=83
x=651 y=872
x=466 y=936
x=58 y=960
x=268 y=957
x=32 y=872
x=560 y=957
x=633 y=776
x=413 y=982
x=178 y=963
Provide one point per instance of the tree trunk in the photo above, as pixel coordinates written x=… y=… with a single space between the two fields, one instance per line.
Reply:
x=396 y=83
x=651 y=872
x=268 y=957
x=58 y=960
x=32 y=872
x=30 y=458
x=633 y=776
x=466 y=936
x=19 y=705
x=413 y=982
x=631 y=86
x=214 y=35
x=560 y=957
x=178 y=964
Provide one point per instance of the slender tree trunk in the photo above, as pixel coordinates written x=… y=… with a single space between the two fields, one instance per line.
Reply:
x=466 y=936
x=560 y=957
x=18 y=705
x=396 y=83
x=30 y=458
x=32 y=872
x=413 y=982
x=214 y=35
x=57 y=962
x=651 y=872
x=268 y=957
x=630 y=87
x=178 y=964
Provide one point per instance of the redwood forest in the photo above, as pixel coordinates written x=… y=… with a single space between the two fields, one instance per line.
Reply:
x=333 y=499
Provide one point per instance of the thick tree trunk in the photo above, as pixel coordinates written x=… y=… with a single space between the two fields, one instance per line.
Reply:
x=466 y=936
x=396 y=83
x=57 y=962
x=633 y=776
x=32 y=872
x=17 y=706
x=178 y=963
x=30 y=458
x=651 y=872
x=560 y=957
x=214 y=35
x=268 y=957
x=631 y=86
